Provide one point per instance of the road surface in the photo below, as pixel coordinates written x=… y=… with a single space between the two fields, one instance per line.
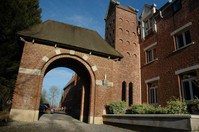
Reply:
x=58 y=123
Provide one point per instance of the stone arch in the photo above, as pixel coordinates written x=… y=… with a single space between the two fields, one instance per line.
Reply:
x=45 y=68
x=84 y=57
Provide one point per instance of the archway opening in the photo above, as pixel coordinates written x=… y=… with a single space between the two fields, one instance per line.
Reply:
x=76 y=94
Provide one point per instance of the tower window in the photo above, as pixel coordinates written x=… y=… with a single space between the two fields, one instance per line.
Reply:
x=130 y=93
x=123 y=91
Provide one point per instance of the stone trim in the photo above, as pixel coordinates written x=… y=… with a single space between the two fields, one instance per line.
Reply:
x=45 y=58
x=30 y=71
x=57 y=51
x=85 y=57
x=24 y=115
x=72 y=52
x=98 y=120
x=152 y=79
x=150 y=46
x=187 y=69
x=94 y=68
x=181 y=28
x=100 y=83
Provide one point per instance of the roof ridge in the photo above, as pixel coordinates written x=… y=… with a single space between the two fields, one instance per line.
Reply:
x=49 y=20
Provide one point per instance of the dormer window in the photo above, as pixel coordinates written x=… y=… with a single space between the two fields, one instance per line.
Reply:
x=148 y=24
x=147 y=21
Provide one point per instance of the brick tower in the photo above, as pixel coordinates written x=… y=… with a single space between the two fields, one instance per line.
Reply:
x=121 y=33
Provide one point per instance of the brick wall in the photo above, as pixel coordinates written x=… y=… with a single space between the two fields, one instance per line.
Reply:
x=169 y=59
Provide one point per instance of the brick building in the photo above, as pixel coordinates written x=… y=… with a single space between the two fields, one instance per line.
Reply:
x=74 y=100
x=149 y=60
x=169 y=51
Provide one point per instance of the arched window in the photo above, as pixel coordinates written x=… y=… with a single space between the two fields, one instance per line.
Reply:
x=123 y=91
x=130 y=93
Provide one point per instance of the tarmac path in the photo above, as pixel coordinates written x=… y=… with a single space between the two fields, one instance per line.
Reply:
x=57 y=123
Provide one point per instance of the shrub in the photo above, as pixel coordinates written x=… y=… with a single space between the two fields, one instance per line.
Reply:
x=117 y=107
x=143 y=109
x=176 y=106
x=161 y=110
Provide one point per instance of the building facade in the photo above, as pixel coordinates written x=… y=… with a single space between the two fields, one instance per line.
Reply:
x=145 y=61
x=169 y=51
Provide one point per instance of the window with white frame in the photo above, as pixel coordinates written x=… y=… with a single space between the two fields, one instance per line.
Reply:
x=152 y=92
x=148 y=24
x=189 y=85
x=183 y=39
x=150 y=55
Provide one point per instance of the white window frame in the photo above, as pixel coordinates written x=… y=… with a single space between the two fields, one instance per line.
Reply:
x=181 y=30
x=190 y=86
x=184 y=40
x=150 y=52
x=153 y=90
x=152 y=49
x=152 y=80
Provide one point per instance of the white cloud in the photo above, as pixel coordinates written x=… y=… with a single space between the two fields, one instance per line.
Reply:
x=80 y=20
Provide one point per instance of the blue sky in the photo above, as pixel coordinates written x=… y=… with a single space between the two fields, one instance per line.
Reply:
x=84 y=13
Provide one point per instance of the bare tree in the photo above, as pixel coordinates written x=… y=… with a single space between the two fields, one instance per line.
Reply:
x=44 y=99
x=53 y=93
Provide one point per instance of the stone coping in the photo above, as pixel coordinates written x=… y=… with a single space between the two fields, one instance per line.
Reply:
x=185 y=122
x=153 y=115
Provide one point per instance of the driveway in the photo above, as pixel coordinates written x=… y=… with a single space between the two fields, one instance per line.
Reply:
x=58 y=123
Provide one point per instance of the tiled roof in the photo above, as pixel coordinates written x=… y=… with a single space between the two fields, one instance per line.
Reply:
x=71 y=37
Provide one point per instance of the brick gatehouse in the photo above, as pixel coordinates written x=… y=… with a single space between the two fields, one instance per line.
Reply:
x=145 y=61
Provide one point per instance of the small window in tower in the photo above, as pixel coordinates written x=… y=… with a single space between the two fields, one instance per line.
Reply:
x=121 y=41
x=120 y=19
x=121 y=30
x=127 y=31
x=134 y=33
x=128 y=42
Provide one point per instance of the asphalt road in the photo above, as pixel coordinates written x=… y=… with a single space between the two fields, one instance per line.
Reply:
x=57 y=123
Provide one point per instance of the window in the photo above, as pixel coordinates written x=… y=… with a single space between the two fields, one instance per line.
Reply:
x=189 y=85
x=123 y=91
x=150 y=55
x=130 y=93
x=183 y=39
x=152 y=93
x=176 y=6
x=148 y=26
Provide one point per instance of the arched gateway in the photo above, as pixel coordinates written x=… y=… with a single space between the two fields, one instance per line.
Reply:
x=102 y=66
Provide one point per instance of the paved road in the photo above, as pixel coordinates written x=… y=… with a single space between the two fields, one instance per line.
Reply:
x=58 y=123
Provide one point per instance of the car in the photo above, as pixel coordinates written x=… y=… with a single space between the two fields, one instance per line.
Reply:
x=45 y=108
